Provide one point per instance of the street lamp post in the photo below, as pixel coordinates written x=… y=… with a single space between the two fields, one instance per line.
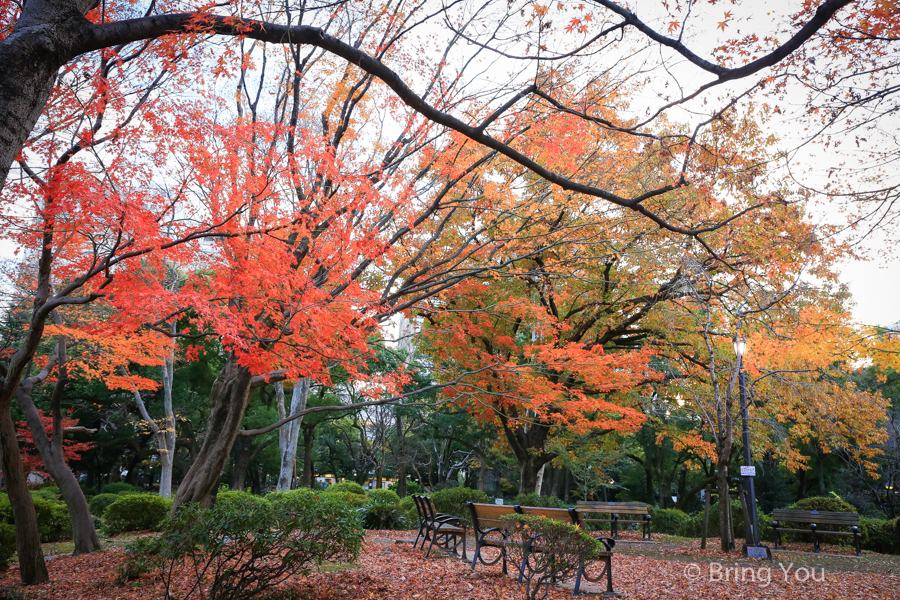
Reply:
x=754 y=549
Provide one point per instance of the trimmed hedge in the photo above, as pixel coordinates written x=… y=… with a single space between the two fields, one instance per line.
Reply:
x=120 y=488
x=382 y=497
x=347 y=498
x=879 y=535
x=453 y=500
x=137 y=512
x=412 y=487
x=7 y=544
x=538 y=500
x=347 y=486
x=53 y=519
x=383 y=516
x=823 y=503
x=408 y=507
x=670 y=520
x=99 y=503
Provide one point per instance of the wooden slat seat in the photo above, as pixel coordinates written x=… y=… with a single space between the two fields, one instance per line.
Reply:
x=815 y=518
x=615 y=509
x=487 y=521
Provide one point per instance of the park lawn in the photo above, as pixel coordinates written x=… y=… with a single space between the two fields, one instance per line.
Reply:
x=393 y=571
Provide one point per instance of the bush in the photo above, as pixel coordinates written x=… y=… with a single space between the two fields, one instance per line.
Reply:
x=245 y=545
x=50 y=493
x=538 y=500
x=53 y=519
x=823 y=503
x=99 y=503
x=383 y=516
x=348 y=498
x=240 y=497
x=5 y=509
x=412 y=487
x=564 y=549
x=879 y=535
x=348 y=486
x=453 y=500
x=120 y=488
x=410 y=514
x=7 y=544
x=383 y=497
x=135 y=513
x=670 y=520
x=142 y=557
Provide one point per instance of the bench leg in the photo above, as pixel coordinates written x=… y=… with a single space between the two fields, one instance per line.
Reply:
x=856 y=541
x=777 y=537
x=615 y=527
x=578 y=579
x=609 y=585
x=815 y=541
x=464 y=557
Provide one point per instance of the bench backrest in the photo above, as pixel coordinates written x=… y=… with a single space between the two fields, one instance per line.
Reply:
x=488 y=515
x=817 y=517
x=559 y=514
x=622 y=508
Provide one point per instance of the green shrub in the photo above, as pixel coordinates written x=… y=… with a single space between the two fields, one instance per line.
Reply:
x=5 y=509
x=537 y=500
x=242 y=497
x=669 y=520
x=348 y=498
x=348 y=486
x=382 y=497
x=823 y=503
x=383 y=516
x=879 y=535
x=99 y=503
x=50 y=493
x=412 y=487
x=564 y=549
x=137 y=512
x=53 y=519
x=120 y=488
x=410 y=514
x=7 y=544
x=453 y=500
x=262 y=542
x=142 y=557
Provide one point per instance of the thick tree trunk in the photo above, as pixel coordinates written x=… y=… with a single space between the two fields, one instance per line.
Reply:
x=229 y=398
x=166 y=439
x=83 y=532
x=528 y=475
x=724 y=506
x=241 y=461
x=28 y=542
x=289 y=433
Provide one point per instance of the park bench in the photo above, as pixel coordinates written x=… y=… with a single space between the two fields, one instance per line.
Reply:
x=439 y=528
x=486 y=521
x=815 y=519
x=614 y=509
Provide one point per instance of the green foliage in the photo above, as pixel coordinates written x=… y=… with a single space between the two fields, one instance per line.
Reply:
x=53 y=519
x=382 y=497
x=453 y=500
x=669 y=520
x=5 y=509
x=348 y=498
x=564 y=548
x=7 y=544
x=120 y=488
x=879 y=535
x=226 y=498
x=412 y=487
x=537 y=500
x=383 y=516
x=142 y=557
x=823 y=503
x=408 y=507
x=348 y=486
x=245 y=544
x=12 y=592
x=136 y=512
x=99 y=503
x=50 y=493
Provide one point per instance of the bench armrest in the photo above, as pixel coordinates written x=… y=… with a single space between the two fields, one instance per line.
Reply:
x=608 y=543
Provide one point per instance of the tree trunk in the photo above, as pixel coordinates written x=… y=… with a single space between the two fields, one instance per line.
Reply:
x=241 y=461
x=539 y=484
x=308 y=437
x=28 y=541
x=166 y=439
x=289 y=432
x=724 y=508
x=83 y=532
x=401 y=459
x=229 y=398
x=528 y=475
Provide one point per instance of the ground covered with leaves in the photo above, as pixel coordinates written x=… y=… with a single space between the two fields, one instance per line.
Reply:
x=668 y=570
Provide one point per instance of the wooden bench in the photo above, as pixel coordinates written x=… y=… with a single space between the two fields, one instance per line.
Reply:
x=614 y=509
x=438 y=528
x=815 y=519
x=486 y=521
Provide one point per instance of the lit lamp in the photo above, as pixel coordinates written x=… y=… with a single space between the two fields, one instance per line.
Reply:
x=752 y=548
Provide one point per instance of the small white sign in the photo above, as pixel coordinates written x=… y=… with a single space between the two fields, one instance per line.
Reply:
x=499 y=501
x=748 y=471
